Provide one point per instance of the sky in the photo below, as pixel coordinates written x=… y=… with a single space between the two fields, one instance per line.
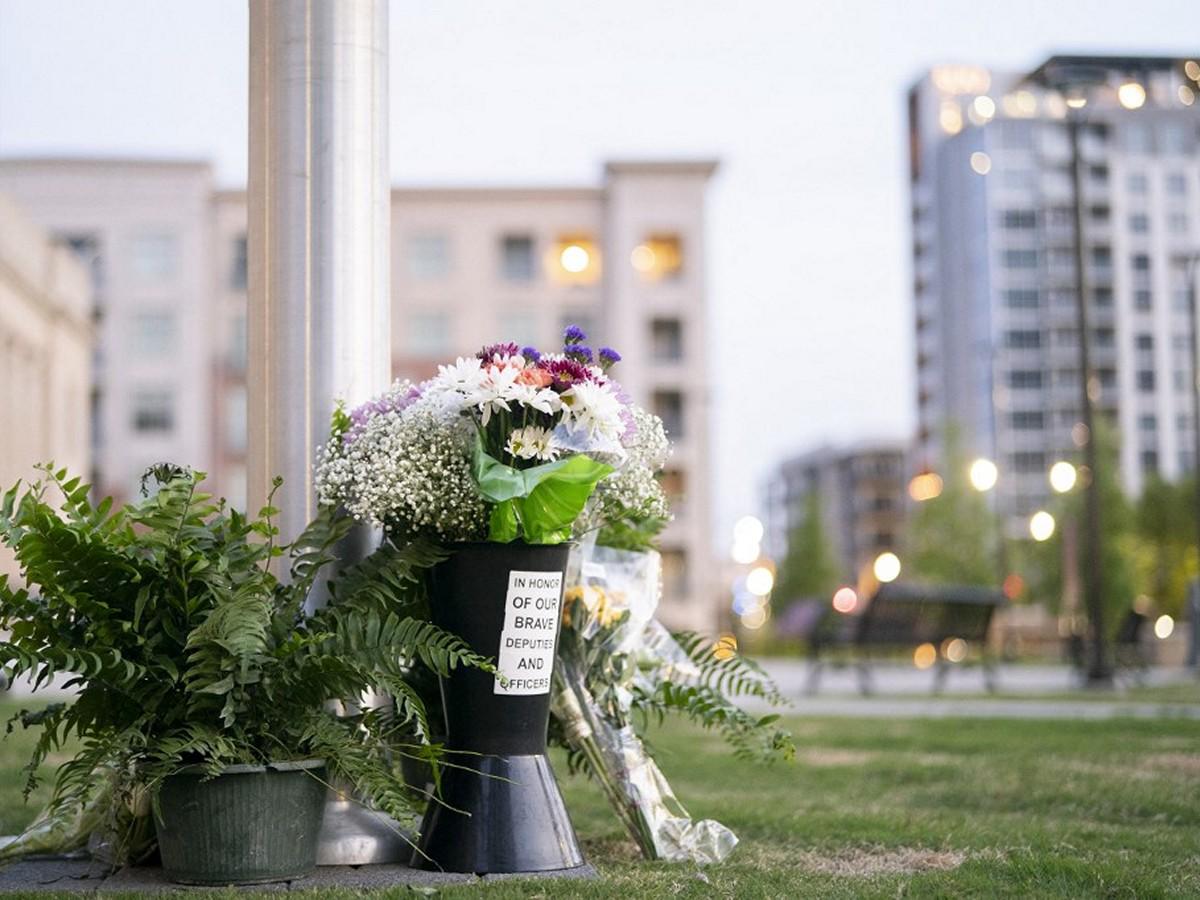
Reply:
x=803 y=103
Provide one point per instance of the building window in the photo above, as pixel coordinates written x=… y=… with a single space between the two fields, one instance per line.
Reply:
x=668 y=406
x=428 y=334
x=1145 y=380
x=153 y=411
x=239 y=272
x=1102 y=256
x=675 y=575
x=1098 y=173
x=1177 y=223
x=1143 y=299
x=86 y=248
x=1028 y=461
x=1176 y=183
x=1150 y=461
x=1020 y=259
x=1104 y=337
x=516 y=252
x=153 y=334
x=155 y=255
x=1137 y=183
x=1102 y=296
x=674 y=485
x=235 y=419
x=1147 y=423
x=576 y=259
x=519 y=326
x=1028 y=420
x=1024 y=378
x=1019 y=219
x=428 y=256
x=1100 y=213
x=1144 y=341
x=1023 y=340
x=1021 y=298
x=660 y=257
x=666 y=340
x=1139 y=223
x=237 y=343
x=1140 y=262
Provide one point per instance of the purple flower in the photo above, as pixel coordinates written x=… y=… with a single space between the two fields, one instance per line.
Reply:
x=390 y=402
x=566 y=372
x=579 y=352
x=493 y=351
x=531 y=354
x=608 y=356
x=574 y=335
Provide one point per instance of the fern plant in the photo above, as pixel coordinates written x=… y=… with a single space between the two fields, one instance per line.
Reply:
x=184 y=648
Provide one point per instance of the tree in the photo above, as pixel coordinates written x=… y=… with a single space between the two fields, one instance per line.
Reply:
x=1121 y=546
x=808 y=569
x=1166 y=528
x=952 y=538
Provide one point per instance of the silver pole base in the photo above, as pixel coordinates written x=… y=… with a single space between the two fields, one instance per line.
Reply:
x=352 y=835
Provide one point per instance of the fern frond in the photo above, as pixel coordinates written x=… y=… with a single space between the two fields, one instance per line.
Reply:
x=726 y=671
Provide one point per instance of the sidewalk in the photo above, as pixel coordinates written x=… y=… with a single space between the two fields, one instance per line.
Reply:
x=1026 y=692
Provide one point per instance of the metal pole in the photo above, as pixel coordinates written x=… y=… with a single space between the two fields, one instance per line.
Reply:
x=1099 y=671
x=319 y=314
x=1189 y=272
x=319 y=224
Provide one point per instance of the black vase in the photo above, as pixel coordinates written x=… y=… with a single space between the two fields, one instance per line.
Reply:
x=500 y=809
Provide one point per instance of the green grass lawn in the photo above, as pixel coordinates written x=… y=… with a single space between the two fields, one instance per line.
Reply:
x=915 y=808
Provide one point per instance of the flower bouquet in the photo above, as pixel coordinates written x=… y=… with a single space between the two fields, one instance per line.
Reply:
x=495 y=459
x=502 y=459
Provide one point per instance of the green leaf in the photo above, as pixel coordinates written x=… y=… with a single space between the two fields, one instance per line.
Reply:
x=550 y=510
x=541 y=503
x=502 y=526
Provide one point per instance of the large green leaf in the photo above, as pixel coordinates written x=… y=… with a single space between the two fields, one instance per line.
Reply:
x=541 y=503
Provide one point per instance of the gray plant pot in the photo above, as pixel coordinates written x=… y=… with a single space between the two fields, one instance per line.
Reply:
x=250 y=824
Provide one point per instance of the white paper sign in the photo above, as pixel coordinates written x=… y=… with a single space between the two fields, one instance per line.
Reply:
x=531 y=614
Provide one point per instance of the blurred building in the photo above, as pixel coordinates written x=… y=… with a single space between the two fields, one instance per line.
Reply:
x=45 y=351
x=994 y=267
x=142 y=231
x=861 y=494
x=624 y=259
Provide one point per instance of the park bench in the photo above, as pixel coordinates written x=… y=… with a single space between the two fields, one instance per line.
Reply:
x=903 y=617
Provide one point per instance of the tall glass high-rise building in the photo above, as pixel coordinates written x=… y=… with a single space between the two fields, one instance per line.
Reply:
x=994 y=266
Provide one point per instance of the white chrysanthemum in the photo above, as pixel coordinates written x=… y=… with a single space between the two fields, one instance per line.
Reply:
x=531 y=442
x=595 y=409
x=632 y=493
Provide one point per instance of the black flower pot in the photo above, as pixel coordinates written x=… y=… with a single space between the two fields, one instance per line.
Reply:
x=500 y=809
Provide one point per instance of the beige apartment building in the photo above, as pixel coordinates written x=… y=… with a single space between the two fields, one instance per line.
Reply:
x=623 y=258
x=45 y=352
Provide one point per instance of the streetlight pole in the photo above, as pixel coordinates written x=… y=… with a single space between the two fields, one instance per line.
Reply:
x=1099 y=668
x=1189 y=273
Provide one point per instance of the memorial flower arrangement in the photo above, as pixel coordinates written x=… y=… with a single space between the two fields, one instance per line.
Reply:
x=507 y=444
x=514 y=445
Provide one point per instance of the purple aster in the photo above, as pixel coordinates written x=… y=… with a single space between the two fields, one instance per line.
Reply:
x=531 y=354
x=574 y=335
x=492 y=351
x=608 y=356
